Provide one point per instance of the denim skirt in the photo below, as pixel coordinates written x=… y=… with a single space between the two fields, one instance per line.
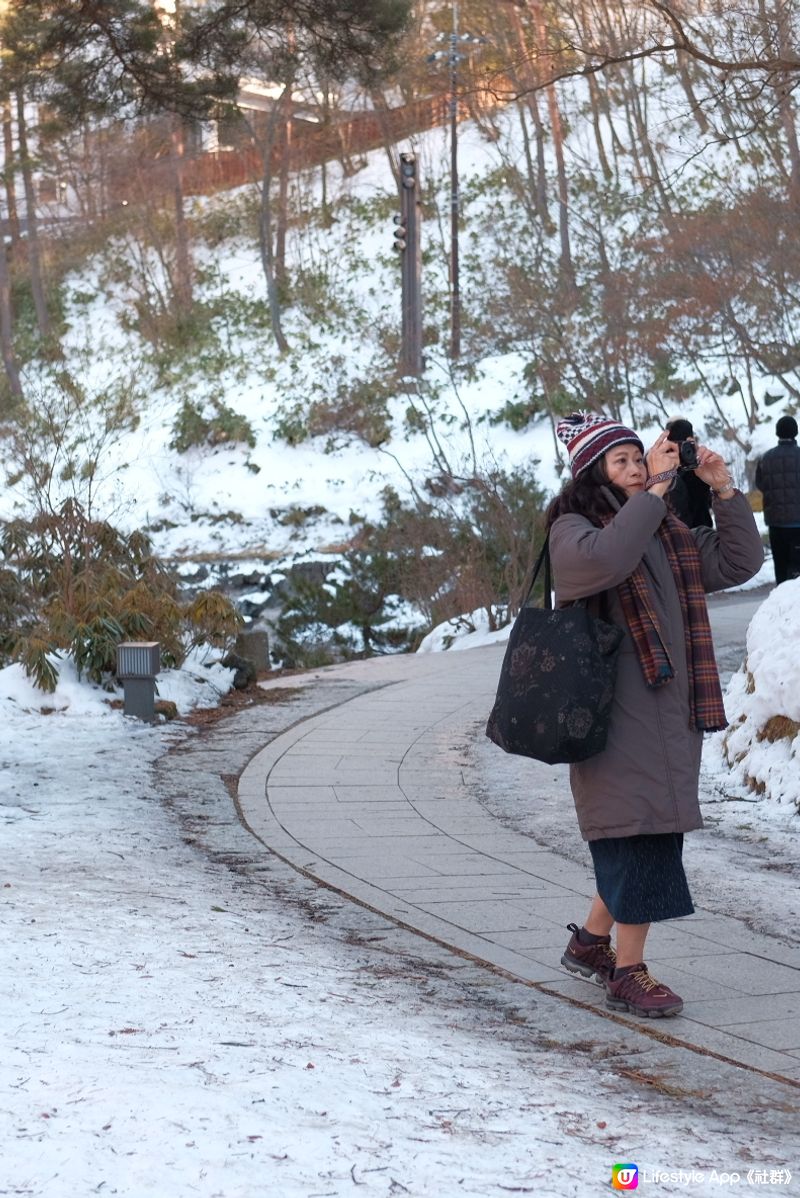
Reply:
x=641 y=878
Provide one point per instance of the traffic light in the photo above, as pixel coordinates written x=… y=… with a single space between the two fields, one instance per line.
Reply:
x=407 y=242
x=400 y=233
x=408 y=170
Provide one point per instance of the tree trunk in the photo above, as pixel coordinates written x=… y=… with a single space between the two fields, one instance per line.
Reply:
x=183 y=283
x=523 y=80
x=89 y=174
x=381 y=106
x=790 y=129
x=691 y=96
x=598 y=133
x=640 y=120
x=282 y=216
x=6 y=327
x=556 y=129
x=32 y=239
x=787 y=114
x=10 y=175
x=531 y=193
x=541 y=167
x=561 y=174
x=265 y=227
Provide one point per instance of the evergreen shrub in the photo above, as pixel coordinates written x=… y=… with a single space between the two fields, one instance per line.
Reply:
x=196 y=425
x=79 y=586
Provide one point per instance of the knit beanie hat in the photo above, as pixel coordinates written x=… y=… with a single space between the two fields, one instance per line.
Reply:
x=588 y=436
x=786 y=428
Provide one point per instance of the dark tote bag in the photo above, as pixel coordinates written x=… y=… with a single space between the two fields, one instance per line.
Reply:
x=557 y=680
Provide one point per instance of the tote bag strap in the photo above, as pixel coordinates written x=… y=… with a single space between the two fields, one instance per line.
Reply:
x=544 y=557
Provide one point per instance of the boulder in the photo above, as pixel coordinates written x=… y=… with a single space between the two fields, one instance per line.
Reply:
x=253 y=645
x=245 y=671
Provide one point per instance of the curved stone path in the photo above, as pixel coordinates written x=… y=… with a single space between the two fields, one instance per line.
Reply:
x=375 y=799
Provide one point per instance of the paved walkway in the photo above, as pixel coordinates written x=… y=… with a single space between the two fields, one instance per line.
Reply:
x=372 y=799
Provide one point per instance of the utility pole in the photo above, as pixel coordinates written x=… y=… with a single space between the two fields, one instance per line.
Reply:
x=455 y=293
x=408 y=242
x=455 y=38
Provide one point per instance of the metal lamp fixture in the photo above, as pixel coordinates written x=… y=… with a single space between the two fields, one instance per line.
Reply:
x=138 y=663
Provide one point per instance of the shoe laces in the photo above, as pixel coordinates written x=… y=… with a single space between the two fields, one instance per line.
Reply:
x=645 y=979
x=603 y=947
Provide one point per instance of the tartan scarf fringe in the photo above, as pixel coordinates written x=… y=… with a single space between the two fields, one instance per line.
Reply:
x=707 y=710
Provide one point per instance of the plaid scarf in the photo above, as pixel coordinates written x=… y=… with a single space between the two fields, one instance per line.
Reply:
x=707 y=713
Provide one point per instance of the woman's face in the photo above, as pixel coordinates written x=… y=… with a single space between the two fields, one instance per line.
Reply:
x=625 y=468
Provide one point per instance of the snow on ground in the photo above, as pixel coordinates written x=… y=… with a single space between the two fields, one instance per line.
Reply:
x=170 y=1029
x=762 y=746
x=200 y=682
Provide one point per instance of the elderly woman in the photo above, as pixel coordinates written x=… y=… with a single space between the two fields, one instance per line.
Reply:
x=612 y=538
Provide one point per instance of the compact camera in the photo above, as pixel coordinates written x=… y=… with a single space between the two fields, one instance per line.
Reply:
x=681 y=434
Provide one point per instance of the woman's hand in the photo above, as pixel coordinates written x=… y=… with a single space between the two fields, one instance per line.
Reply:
x=712 y=469
x=662 y=456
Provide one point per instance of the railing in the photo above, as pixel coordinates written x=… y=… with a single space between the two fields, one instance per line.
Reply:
x=310 y=145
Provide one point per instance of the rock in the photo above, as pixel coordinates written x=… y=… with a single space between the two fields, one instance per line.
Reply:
x=199 y=575
x=254 y=581
x=252 y=644
x=245 y=670
x=166 y=708
x=302 y=572
x=252 y=609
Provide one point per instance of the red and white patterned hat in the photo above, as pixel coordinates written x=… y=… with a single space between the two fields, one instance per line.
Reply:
x=588 y=436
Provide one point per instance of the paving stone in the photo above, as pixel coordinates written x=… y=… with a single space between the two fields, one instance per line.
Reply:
x=368 y=792
x=280 y=796
x=690 y=986
x=378 y=869
x=457 y=892
x=532 y=940
x=721 y=1041
x=583 y=991
x=774 y=1033
x=479 y=915
x=748 y=1008
x=733 y=934
x=455 y=865
x=749 y=974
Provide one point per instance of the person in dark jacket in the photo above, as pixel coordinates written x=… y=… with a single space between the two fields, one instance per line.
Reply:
x=690 y=497
x=614 y=542
x=778 y=478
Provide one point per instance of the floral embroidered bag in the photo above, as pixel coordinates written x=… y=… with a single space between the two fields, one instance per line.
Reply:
x=557 y=680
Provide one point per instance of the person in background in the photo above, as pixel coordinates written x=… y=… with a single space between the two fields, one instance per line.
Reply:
x=778 y=479
x=690 y=497
x=614 y=542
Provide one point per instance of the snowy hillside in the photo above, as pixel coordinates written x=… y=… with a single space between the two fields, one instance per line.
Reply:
x=291 y=491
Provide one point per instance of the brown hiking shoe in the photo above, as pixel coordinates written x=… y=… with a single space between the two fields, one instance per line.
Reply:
x=640 y=994
x=593 y=961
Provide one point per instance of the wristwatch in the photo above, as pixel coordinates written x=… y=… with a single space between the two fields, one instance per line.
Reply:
x=724 y=489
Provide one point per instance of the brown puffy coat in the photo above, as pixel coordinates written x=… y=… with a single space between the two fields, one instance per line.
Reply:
x=646 y=779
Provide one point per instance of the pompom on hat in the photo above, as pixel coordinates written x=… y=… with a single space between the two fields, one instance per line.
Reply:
x=588 y=436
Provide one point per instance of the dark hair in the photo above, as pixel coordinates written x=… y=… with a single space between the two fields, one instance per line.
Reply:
x=786 y=428
x=583 y=495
